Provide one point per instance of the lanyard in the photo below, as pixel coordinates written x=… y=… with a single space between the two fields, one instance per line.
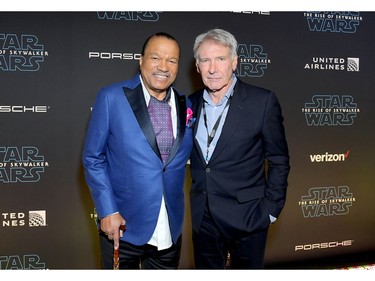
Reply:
x=210 y=136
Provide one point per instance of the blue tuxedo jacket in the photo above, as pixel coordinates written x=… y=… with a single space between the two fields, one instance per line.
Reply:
x=240 y=193
x=122 y=164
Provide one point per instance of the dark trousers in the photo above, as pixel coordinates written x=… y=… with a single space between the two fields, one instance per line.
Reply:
x=140 y=257
x=211 y=248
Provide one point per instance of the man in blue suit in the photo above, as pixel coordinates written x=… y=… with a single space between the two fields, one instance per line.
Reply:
x=239 y=130
x=135 y=153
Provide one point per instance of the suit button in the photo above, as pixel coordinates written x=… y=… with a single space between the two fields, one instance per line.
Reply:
x=163 y=170
x=208 y=170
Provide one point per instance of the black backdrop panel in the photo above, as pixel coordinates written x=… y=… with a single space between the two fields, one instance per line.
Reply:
x=52 y=65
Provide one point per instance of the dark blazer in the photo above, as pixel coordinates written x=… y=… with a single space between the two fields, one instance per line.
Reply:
x=123 y=166
x=240 y=194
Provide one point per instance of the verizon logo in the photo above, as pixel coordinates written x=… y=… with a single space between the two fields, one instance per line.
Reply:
x=329 y=157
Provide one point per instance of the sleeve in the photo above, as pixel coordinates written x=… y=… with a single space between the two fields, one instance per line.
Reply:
x=277 y=155
x=94 y=158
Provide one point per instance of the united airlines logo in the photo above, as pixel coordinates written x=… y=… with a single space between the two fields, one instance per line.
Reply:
x=130 y=16
x=24 y=164
x=16 y=219
x=330 y=110
x=326 y=201
x=21 y=52
x=339 y=22
x=37 y=218
x=333 y=64
x=252 y=61
x=352 y=64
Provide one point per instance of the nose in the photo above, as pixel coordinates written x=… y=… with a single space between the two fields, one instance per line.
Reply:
x=163 y=65
x=212 y=67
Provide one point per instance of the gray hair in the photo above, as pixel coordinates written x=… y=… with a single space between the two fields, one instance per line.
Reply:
x=219 y=36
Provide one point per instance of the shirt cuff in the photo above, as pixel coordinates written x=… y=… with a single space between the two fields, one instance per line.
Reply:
x=272 y=219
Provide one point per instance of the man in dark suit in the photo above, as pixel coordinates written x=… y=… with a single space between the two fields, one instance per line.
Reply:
x=135 y=154
x=239 y=130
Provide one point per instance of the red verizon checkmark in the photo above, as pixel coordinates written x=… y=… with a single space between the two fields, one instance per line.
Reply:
x=347 y=154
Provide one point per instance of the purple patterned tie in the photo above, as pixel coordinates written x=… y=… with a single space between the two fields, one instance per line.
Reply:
x=160 y=114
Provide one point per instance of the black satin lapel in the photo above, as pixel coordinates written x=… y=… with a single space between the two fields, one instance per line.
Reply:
x=181 y=124
x=138 y=104
x=197 y=110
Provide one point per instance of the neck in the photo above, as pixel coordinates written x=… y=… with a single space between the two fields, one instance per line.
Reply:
x=159 y=96
x=216 y=96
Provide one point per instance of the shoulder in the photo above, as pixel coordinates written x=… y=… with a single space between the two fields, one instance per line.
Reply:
x=196 y=96
x=249 y=91
x=114 y=92
x=249 y=88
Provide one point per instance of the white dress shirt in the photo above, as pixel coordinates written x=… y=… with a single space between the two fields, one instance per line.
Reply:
x=162 y=237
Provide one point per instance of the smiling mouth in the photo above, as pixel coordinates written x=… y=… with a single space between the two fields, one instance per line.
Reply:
x=161 y=75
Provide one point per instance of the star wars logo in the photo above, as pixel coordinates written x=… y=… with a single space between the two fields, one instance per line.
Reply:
x=261 y=13
x=129 y=16
x=30 y=261
x=21 y=52
x=330 y=110
x=94 y=216
x=23 y=164
x=341 y=22
x=326 y=201
x=252 y=61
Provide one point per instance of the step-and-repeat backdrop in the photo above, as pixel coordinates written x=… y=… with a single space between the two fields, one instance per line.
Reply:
x=52 y=65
